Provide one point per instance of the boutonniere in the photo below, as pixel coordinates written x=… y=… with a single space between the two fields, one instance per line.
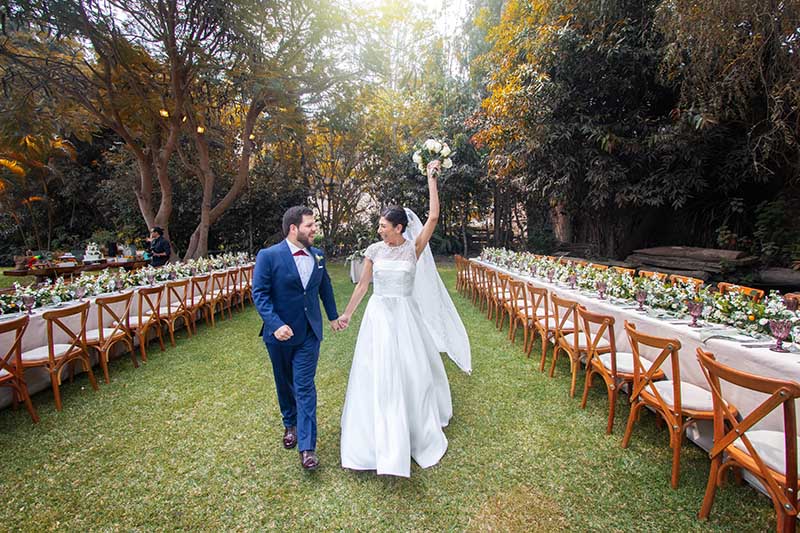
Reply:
x=319 y=259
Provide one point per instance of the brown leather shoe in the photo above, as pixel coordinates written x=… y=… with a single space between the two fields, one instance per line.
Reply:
x=309 y=460
x=290 y=438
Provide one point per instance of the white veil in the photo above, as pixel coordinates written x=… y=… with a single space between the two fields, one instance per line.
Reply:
x=437 y=309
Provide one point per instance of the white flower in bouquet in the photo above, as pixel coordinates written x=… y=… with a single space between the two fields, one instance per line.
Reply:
x=432 y=150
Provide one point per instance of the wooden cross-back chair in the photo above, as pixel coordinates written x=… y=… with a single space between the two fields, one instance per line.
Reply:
x=178 y=307
x=231 y=293
x=148 y=316
x=11 y=371
x=56 y=355
x=755 y=294
x=686 y=280
x=626 y=271
x=491 y=294
x=216 y=297
x=246 y=284
x=602 y=359
x=543 y=323
x=567 y=337
x=521 y=312
x=771 y=456
x=112 y=327
x=653 y=275
x=503 y=303
x=460 y=273
x=678 y=403
x=198 y=302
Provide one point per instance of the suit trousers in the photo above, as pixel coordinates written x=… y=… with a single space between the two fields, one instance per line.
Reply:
x=294 y=368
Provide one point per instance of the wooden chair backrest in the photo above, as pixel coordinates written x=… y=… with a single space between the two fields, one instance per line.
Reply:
x=598 y=329
x=150 y=300
x=519 y=295
x=646 y=377
x=121 y=321
x=564 y=310
x=622 y=270
x=218 y=281
x=246 y=279
x=200 y=286
x=781 y=394
x=77 y=337
x=599 y=267
x=651 y=274
x=755 y=294
x=178 y=294
x=686 y=280
x=539 y=302
x=501 y=285
x=233 y=279
x=11 y=361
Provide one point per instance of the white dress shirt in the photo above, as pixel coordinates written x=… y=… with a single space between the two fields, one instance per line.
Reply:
x=304 y=263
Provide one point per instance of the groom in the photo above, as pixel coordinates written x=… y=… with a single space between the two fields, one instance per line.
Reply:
x=288 y=282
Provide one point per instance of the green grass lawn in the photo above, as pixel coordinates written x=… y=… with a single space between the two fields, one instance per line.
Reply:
x=191 y=441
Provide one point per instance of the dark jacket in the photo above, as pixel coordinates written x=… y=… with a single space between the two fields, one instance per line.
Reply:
x=279 y=296
x=159 y=245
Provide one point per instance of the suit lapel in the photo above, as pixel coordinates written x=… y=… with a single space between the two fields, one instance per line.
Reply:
x=291 y=266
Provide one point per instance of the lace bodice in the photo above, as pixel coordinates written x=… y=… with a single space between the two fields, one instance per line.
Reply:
x=393 y=268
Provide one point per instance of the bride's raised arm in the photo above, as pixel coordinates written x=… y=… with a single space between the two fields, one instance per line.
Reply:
x=434 y=167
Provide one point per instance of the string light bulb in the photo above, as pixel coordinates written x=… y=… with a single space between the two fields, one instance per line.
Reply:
x=164 y=113
x=200 y=129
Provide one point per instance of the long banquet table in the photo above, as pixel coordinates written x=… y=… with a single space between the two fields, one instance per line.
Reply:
x=37 y=378
x=756 y=360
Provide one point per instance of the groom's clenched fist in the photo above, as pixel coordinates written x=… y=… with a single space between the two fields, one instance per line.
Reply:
x=284 y=333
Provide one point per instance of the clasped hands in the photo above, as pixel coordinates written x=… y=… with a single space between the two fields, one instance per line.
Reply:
x=284 y=333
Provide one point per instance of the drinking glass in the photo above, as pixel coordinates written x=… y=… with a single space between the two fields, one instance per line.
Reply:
x=780 y=330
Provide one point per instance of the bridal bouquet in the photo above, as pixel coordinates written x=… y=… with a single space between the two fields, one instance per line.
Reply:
x=431 y=150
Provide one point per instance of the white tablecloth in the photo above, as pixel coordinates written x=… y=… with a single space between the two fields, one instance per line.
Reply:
x=760 y=361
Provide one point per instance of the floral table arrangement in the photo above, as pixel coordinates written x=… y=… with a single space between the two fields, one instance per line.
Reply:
x=773 y=315
x=110 y=280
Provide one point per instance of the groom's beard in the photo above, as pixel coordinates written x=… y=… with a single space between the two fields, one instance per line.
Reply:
x=304 y=240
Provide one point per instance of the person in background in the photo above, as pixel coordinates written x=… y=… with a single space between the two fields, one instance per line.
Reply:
x=159 y=247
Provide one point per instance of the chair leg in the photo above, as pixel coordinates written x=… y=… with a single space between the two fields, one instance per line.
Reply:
x=635 y=407
x=54 y=379
x=160 y=335
x=711 y=488
x=129 y=344
x=612 y=407
x=171 y=329
x=22 y=393
x=676 y=457
x=555 y=358
x=88 y=366
x=103 y=355
x=142 y=343
x=574 y=367
x=544 y=350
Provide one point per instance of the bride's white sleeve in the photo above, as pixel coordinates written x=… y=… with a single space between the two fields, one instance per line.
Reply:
x=437 y=308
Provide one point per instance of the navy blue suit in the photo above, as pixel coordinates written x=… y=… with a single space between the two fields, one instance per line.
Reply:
x=280 y=298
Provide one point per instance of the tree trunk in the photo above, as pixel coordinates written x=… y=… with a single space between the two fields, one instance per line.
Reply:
x=464 y=218
x=562 y=223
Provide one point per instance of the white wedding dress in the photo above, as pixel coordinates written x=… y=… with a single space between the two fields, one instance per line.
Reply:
x=398 y=395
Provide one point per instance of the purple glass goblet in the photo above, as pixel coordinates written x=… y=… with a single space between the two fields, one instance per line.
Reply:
x=601 y=287
x=80 y=292
x=28 y=301
x=696 y=311
x=641 y=297
x=534 y=268
x=790 y=304
x=173 y=275
x=151 y=278
x=550 y=275
x=780 y=330
x=572 y=280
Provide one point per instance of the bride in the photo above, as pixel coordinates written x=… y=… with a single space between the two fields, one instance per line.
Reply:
x=398 y=396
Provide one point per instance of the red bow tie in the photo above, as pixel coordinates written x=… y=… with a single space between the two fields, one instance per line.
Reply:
x=300 y=252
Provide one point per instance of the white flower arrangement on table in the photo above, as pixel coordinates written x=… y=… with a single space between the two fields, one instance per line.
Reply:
x=732 y=309
x=431 y=150
x=110 y=280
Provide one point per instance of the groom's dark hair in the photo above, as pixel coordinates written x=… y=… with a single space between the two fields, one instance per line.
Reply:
x=294 y=215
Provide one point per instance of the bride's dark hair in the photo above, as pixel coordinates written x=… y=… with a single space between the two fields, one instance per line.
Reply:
x=396 y=215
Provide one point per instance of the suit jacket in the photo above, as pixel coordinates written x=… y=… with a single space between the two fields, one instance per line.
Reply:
x=279 y=296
